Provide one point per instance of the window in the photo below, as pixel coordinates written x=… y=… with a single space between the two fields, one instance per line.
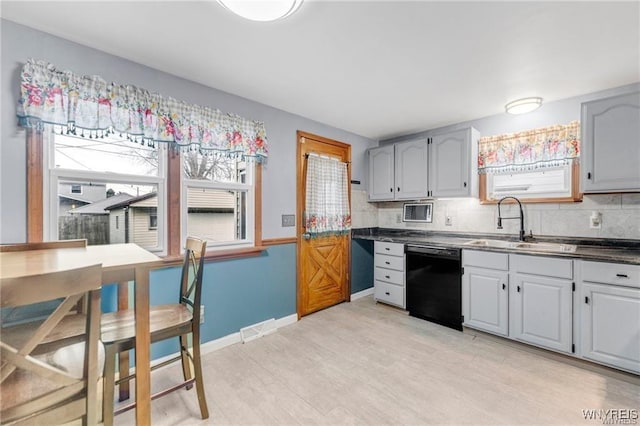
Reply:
x=552 y=184
x=93 y=184
x=124 y=195
x=217 y=202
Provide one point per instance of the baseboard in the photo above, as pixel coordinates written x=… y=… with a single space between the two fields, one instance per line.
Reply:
x=364 y=293
x=228 y=340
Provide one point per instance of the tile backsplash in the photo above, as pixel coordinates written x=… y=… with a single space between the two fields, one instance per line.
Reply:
x=620 y=216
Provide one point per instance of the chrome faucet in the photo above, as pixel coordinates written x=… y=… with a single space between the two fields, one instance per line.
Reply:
x=521 y=217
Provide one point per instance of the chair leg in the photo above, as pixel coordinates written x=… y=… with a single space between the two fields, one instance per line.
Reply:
x=197 y=366
x=108 y=383
x=186 y=368
x=123 y=368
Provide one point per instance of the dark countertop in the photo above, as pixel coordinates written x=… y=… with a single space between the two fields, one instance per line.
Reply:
x=601 y=250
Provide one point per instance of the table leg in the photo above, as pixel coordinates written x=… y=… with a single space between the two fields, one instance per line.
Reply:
x=123 y=357
x=143 y=345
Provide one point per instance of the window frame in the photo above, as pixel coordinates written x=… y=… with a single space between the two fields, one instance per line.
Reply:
x=574 y=197
x=37 y=211
x=52 y=176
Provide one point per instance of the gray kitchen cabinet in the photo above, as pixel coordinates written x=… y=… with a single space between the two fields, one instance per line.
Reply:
x=452 y=165
x=411 y=170
x=399 y=171
x=541 y=300
x=381 y=173
x=389 y=273
x=611 y=144
x=610 y=314
x=485 y=291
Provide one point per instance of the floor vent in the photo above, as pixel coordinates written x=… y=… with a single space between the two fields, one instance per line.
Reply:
x=260 y=329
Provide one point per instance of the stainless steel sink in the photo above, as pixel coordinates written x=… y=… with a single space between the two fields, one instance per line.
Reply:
x=492 y=243
x=519 y=245
x=553 y=247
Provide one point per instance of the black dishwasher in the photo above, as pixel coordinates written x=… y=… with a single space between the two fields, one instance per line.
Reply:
x=434 y=284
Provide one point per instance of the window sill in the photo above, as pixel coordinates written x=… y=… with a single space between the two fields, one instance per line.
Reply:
x=220 y=255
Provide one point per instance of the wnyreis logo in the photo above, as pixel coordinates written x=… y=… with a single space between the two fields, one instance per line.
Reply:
x=613 y=416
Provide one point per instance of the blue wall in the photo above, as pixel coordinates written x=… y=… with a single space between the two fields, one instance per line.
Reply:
x=361 y=265
x=235 y=293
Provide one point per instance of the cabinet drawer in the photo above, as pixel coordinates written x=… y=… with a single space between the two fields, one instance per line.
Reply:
x=393 y=249
x=389 y=293
x=485 y=259
x=390 y=276
x=389 y=262
x=611 y=273
x=540 y=265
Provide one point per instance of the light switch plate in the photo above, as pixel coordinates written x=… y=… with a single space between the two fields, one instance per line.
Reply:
x=288 y=220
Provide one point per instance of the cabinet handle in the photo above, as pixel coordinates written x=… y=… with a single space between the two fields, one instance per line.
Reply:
x=589 y=175
x=387 y=263
x=504 y=286
x=586 y=300
x=398 y=189
x=390 y=189
x=387 y=293
x=387 y=277
x=464 y=184
x=387 y=248
x=622 y=275
x=518 y=289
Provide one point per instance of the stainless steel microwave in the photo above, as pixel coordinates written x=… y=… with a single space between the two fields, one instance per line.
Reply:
x=417 y=212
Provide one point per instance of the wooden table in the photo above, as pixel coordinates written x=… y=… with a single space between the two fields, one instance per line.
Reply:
x=120 y=262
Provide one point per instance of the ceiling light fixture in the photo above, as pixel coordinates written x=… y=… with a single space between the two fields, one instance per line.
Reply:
x=523 y=105
x=262 y=10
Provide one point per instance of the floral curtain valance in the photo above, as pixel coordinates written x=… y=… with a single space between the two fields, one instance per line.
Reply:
x=327 y=197
x=91 y=104
x=544 y=147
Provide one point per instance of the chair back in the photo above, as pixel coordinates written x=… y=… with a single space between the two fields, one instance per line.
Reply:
x=34 y=390
x=43 y=245
x=192 y=270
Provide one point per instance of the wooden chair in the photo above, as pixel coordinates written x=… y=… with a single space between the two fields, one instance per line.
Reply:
x=166 y=321
x=35 y=391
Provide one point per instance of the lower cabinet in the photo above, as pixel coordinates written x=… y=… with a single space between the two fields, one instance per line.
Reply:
x=526 y=298
x=485 y=299
x=610 y=314
x=389 y=279
x=541 y=311
x=541 y=301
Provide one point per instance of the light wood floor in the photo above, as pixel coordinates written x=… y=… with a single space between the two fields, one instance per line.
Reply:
x=366 y=363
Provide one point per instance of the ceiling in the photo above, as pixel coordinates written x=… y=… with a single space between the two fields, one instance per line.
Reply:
x=376 y=68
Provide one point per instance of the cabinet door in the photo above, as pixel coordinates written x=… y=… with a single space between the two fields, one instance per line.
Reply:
x=381 y=173
x=611 y=144
x=485 y=299
x=541 y=311
x=449 y=164
x=611 y=325
x=411 y=170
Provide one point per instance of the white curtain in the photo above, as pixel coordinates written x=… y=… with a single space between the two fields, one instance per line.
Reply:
x=327 y=197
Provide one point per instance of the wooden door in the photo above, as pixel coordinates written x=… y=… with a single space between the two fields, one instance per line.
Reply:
x=323 y=262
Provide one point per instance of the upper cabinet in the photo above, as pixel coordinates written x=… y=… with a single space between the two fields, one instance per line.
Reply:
x=381 y=173
x=398 y=172
x=611 y=144
x=442 y=166
x=451 y=171
x=411 y=170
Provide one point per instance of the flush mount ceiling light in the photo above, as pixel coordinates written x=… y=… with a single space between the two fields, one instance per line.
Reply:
x=523 y=105
x=262 y=10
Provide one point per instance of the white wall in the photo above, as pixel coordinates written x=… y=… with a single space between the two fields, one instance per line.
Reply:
x=18 y=43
